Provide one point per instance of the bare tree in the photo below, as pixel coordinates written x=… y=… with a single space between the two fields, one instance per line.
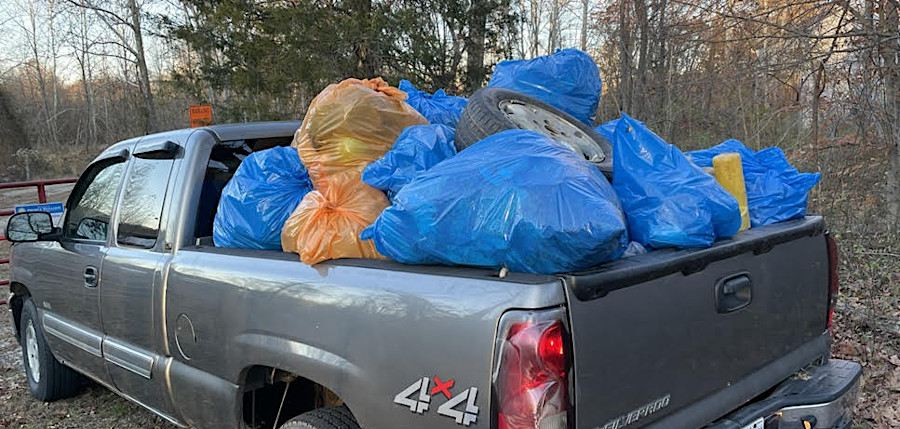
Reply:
x=82 y=43
x=37 y=20
x=125 y=23
x=626 y=45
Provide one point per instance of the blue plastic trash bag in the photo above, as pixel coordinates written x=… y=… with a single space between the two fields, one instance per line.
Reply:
x=516 y=199
x=568 y=80
x=416 y=149
x=608 y=129
x=438 y=108
x=776 y=191
x=259 y=198
x=668 y=201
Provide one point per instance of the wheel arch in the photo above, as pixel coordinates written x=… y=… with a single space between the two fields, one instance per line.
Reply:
x=16 y=303
x=264 y=389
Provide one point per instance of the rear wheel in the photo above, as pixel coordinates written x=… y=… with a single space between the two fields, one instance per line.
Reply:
x=323 y=418
x=48 y=379
x=492 y=110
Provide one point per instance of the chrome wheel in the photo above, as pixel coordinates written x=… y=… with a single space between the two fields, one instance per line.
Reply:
x=531 y=117
x=31 y=353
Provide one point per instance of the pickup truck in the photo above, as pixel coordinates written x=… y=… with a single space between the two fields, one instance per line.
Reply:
x=129 y=291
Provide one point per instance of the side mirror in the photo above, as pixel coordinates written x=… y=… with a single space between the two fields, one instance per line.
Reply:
x=28 y=227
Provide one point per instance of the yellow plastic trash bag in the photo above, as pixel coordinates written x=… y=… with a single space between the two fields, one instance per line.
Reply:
x=730 y=174
x=351 y=124
x=327 y=223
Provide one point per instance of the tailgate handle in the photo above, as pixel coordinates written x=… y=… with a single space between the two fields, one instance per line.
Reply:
x=733 y=293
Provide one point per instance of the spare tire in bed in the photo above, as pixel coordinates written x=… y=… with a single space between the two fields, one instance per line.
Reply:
x=492 y=110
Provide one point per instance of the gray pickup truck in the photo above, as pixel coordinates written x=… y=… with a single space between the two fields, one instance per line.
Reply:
x=130 y=292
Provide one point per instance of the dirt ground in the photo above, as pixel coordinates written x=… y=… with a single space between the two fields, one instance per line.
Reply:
x=95 y=408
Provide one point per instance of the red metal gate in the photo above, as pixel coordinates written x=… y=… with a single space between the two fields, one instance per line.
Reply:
x=41 y=186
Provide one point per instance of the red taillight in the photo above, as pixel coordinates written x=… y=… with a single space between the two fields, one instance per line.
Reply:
x=530 y=381
x=552 y=350
x=833 y=281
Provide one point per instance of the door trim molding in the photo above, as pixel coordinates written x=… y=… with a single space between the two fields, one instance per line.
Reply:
x=128 y=357
x=73 y=334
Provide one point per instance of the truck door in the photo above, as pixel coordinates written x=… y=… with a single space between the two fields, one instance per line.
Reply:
x=134 y=280
x=68 y=294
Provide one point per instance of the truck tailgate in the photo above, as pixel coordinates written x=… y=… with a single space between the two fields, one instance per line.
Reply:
x=659 y=332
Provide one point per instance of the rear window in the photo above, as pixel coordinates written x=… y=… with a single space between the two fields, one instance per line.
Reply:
x=223 y=162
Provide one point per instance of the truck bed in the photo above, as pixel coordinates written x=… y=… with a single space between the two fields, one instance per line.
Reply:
x=652 y=345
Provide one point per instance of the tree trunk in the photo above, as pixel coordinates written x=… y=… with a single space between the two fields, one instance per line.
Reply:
x=889 y=48
x=144 y=74
x=626 y=78
x=87 y=81
x=366 y=57
x=819 y=88
x=475 y=72
x=38 y=67
x=553 y=39
x=661 y=72
x=584 y=23
x=640 y=92
x=535 y=27
x=53 y=120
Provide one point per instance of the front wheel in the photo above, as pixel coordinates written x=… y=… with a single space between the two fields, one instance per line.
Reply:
x=48 y=379
x=323 y=418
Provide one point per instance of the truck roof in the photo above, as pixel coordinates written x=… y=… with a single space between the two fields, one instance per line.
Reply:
x=224 y=132
x=254 y=130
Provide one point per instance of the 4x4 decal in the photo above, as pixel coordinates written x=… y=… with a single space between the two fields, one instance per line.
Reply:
x=417 y=397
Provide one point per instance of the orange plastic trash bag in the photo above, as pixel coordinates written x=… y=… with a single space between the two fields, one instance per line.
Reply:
x=351 y=124
x=327 y=223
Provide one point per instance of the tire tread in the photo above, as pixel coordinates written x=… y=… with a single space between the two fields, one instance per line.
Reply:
x=323 y=418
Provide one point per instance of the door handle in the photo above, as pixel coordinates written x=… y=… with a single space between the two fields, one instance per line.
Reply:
x=733 y=292
x=90 y=277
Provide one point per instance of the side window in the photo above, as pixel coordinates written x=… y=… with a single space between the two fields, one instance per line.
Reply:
x=92 y=203
x=142 y=205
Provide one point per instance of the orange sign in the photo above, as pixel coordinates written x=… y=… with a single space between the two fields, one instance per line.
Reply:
x=201 y=116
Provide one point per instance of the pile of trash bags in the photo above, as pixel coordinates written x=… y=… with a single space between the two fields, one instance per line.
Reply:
x=438 y=108
x=776 y=191
x=373 y=172
x=416 y=149
x=668 y=201
x=517 y=200
x=568 y=80
x=256 y=202
x=348 y=126
x=351 y=124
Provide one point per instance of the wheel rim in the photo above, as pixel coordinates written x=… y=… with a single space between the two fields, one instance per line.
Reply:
x=31 y=353
x=528 y=116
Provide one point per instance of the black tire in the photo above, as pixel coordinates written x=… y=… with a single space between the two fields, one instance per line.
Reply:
x=483 y=117
x=323 y=418
x=56 y=381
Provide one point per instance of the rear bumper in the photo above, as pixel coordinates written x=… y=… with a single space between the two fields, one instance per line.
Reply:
x=822 y=396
